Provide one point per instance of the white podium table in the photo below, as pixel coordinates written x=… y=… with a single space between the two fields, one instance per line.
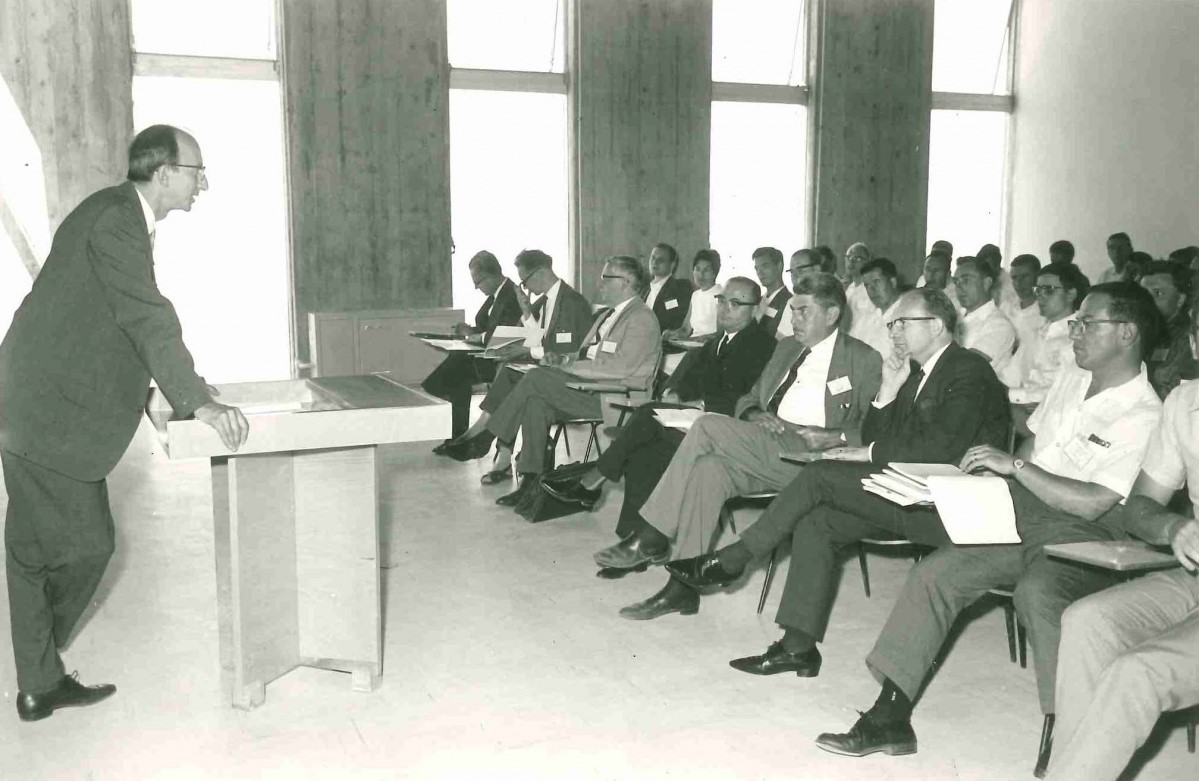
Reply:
x=295 y=514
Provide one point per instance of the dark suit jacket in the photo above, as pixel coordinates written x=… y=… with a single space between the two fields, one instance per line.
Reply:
x=569 y=322
x=777 y=302
x=962 y=404
x=76 y=363
x=844 y=409
x=505 y=312
x=722 y=379
x=670 y=307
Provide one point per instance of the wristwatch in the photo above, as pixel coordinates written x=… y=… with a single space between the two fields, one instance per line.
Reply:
x=1018 y=464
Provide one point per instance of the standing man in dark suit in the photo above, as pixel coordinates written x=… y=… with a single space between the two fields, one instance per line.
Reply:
x=668 y=295
x=937 y=399
x=711 y=377
x=453 y=379
x=75 y=367
x=812 y=395
x=768 y=264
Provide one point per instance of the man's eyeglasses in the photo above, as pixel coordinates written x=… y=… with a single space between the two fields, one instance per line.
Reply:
x=804 y=267
x=722 y=301
x=612 y=276
x=200 y=170
x=1083 y=325
x=524 y=281
x=1046 y=290
x=903 y=321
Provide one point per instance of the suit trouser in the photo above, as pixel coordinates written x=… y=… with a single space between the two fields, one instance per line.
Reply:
x=944 y=584
x=539 y=399
x=718 y=459
x=452 y=381
x=1130 y=653
x=822 y=510
x=58 y=537
x=506 y=379
x=640 y=455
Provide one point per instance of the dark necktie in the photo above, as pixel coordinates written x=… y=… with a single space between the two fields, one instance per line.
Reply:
x=777 y=398
x=724 y=342
x=906 y=398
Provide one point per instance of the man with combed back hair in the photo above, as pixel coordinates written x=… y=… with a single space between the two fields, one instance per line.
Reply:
x=75 y=368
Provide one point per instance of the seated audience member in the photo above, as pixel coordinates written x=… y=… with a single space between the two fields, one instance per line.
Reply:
x=1171 y=361
x=945 y=248
x=768 y=264
x=1001 y=292
x=668 y=295
x=937 y=276
x=1132 y=651
x=1022 y=311
x=936 y=400
x=1119 y=252
x=856 y=256
x=881 y=281
x=453 y=378
x=1061 y=252
x=811 y=396
x=1038 y=361
x=700 y=321
x=564 y=317
x=711 y=377
x=1089 y=436
x=941 y=245
x=1138 y=264
x=828 y=260
x=622 y=346
x=1187 y=257
x=804 y=262
x=983 y=328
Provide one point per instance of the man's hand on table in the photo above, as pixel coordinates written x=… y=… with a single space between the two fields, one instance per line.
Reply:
x=229 y=423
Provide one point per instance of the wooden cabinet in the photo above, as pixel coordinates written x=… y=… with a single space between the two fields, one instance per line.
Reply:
x=346 y=343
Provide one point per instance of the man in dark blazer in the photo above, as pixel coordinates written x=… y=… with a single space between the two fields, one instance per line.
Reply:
x=711 y=377
x=936 y=400
x=668 y=296
x=768 y=264
x=453 y=379
x=75 y=368
x=812 y=395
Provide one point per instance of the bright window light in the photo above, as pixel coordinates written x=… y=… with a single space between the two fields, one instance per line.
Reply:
x=214 y=28
x=758 y=190
x=225 y=264
x=971 y=46
x=513 y=35
x=760 y=42
x=508 y=181
x=965 y=178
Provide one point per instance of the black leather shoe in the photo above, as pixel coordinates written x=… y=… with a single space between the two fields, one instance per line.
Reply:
x=631 y=553
x=675 y=598
x=496 y=476
x=702 y=571
x=443 y=449
x=470 y=449
x=69 y=693
x=805 y=664
x=513 y=499
x=867 y=737
x=574 y=493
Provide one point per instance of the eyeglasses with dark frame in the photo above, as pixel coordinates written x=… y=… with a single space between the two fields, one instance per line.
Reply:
x=524 y=281
x=1083 y=324
x=804 y=267
x=614 y=276
x=723 y=301
x=200 y=170
x=1046 y=290
x=905 y=320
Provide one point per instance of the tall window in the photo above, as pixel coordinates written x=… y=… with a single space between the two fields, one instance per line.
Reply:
x=972 y=104
x=508 y=135
x=225 y=266
x=759 y=130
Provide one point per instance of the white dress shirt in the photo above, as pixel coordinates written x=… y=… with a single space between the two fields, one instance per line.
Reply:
x=988 y=331
x=655 y=287
x=703 y=310
x=803 y=403
x=1026 y=320
x=1037 y=362
x=1100 y=440
x=1173 y=451
x=547 y=312
x=148 y=213
x=872 y=329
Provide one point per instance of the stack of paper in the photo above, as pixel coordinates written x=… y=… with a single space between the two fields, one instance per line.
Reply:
x=505 y=335
x=678 y=418
x=974 y=510
x=907 y=484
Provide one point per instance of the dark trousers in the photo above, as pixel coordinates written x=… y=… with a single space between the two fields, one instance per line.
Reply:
x=639 y=455
x=822 y=510
x=452 y=381
x=58 y=537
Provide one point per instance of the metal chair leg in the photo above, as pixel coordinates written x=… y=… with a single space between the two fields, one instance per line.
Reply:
x=865 y=569
x=1009 y=621
x=1190 y=734
x=770 y=577
x=1046 y=747
x=1022 y=644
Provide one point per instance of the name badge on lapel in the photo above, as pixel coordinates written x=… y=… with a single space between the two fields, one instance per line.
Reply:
x=771 y=311
x=839 y=385
x=562 y=338
x=608 y=347
x=672 y=304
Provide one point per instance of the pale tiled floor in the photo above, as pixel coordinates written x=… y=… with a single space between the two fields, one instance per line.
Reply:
x=504 y=659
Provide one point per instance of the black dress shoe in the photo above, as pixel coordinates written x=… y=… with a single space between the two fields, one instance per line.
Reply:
x=513 y=499
x=868 y=736
x=69 y=693
x=496 y=476
x=675 y=598
x=443 y=449
x=574 y=493
x=470 y=449
x=702 y=571
x=805 y=664
x=631 y=553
